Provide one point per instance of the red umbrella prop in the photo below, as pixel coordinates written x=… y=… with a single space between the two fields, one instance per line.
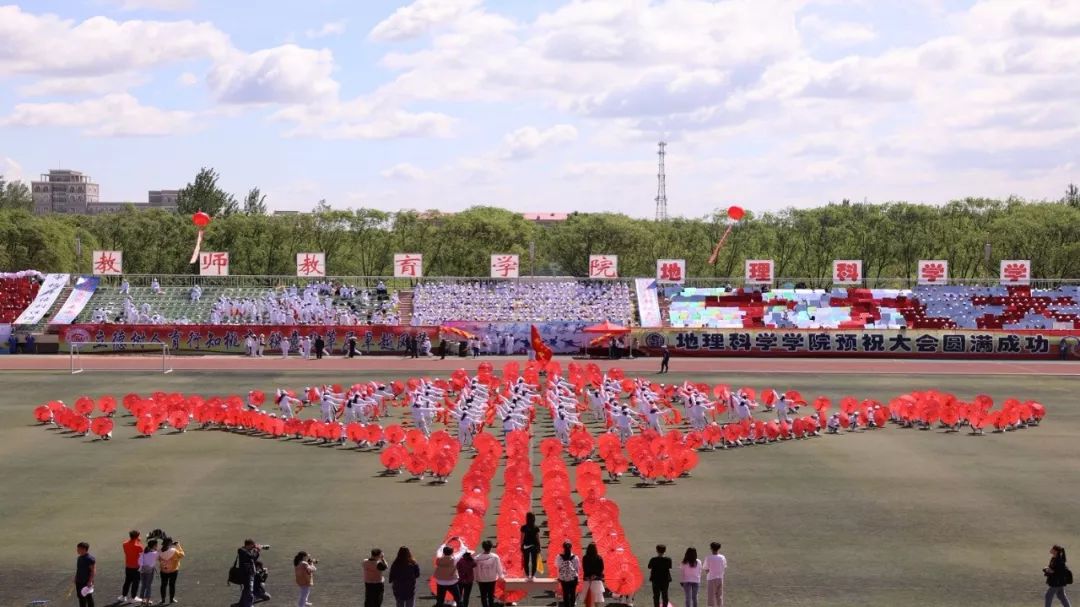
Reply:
x=102 y=427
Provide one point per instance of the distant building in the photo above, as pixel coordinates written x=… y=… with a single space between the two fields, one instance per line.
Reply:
x=66 y=191
x=545 y=217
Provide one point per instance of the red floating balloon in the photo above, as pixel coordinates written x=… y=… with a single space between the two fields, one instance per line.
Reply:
x=735 y=213
x=200 y=219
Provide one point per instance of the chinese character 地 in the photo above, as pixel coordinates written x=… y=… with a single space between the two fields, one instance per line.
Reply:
x=671 y=271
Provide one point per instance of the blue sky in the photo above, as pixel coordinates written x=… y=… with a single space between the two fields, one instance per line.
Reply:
x=548 y=106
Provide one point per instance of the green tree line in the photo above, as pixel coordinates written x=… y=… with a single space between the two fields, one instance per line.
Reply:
x=890 y=239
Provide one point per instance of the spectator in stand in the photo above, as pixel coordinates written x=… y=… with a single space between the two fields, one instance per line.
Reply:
x=305 y=576
x=691 y=576
x=592 y=567
x=171 y=554
x=466 y=570
x=446 y=577
x=489 y=570
x=660 y=576
x=85 y=568
x=403 y=575
x=133 y=549
x=715 y=566
x=373 y=578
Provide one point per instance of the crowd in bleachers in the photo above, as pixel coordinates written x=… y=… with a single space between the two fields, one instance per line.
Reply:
x=15 y=295
x=491 y=301
x=926 y=307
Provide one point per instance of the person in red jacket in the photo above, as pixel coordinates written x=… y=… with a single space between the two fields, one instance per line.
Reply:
x=133 y=549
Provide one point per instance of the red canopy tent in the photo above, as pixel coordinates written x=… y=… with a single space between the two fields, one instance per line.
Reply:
x=606 y=327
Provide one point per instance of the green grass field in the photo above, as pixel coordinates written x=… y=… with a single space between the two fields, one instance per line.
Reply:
x=891 y=517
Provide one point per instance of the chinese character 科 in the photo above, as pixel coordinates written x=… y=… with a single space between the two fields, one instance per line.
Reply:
x=106 y=263
x=847 y=342
x=953 y=343
x=739 y=341
x=601 y=267
x=1014 y=271
x=846 y=271
x=505 y=265
x=759 y=271
x=407 y=265
x=217 y=261
x=1009 y=343
x=932 y=272
x=671 y=271
x=310 y=265
x=926 y=343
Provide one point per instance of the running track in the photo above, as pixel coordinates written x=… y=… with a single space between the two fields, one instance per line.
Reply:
x=225 y=363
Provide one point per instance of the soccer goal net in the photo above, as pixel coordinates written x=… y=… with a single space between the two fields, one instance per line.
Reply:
x=121 y=356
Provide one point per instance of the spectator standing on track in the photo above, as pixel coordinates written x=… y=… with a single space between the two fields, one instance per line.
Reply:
x=691 y=576
x=530 y=545
x=319 y=345
x=148 y=564
x=133 y=549
x=660 y=576
x=1058 y=577
x=666 y=353
x=85 y=568
x=446 y=577
x=592 y=569
x=466 y=570
x=305 y=576
x=715 y=566
x=489 y=570
x=171 y=554
x=403 y=575
x=373 y=578
x=568 y=568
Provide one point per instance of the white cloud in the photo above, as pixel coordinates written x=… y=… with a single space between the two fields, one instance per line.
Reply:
x=188 y=79
x=48 y=45
x=77 y=86
x=155 y=5
x=418 y=18
x=10 y=170
x=330 y=28
x=527 y=141
x=404 y=171
x=284 y=74
x=114 y=115
x=837 y=33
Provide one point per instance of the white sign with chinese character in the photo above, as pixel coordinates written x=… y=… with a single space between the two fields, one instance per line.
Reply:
x=1015 y=271
x=671 y=271
x=213 y=264
x=933 y=271
x=759 y=272
x=603 y=266
x=504 y=266
x=408 y=265
x=311 y=264
x=847 y=271
x=108 y=263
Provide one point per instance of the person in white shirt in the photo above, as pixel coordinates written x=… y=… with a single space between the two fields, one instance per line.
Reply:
x=489 y=570
x=305 y=347
x=125 y=287
x=691 y=576
x=155 y=286
x=715 y=566
x=148 y=564
x=196 y=294
x=285 y=345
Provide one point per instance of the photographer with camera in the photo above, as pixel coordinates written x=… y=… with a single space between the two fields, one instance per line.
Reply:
x=169 y=559
x=373 y=578
x=248 y=573
x=305 y=576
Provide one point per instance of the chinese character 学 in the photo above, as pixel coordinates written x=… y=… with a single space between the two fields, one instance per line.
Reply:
x=215 y=263
x=601 y=267
x=1015 y=271
x=310 y=265
x=671 y=271
x=106 y=263
x=933 y=272
x=847 y=271
x=407 y=265
x=505 y=265
x=759 y=271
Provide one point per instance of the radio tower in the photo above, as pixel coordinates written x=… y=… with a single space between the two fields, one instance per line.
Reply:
x=661 y=188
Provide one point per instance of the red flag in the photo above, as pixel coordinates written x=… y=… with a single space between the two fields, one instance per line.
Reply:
x=543 y=352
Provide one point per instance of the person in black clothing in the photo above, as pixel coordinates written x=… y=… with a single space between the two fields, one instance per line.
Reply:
x=660 y=576
x=85 y=567
x=247 y=559
x=319 y=346
x=530 y=545
x=443 y=345
x=592 y=570
x=666 y=357
x=353 y=350
x=1058 y=577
